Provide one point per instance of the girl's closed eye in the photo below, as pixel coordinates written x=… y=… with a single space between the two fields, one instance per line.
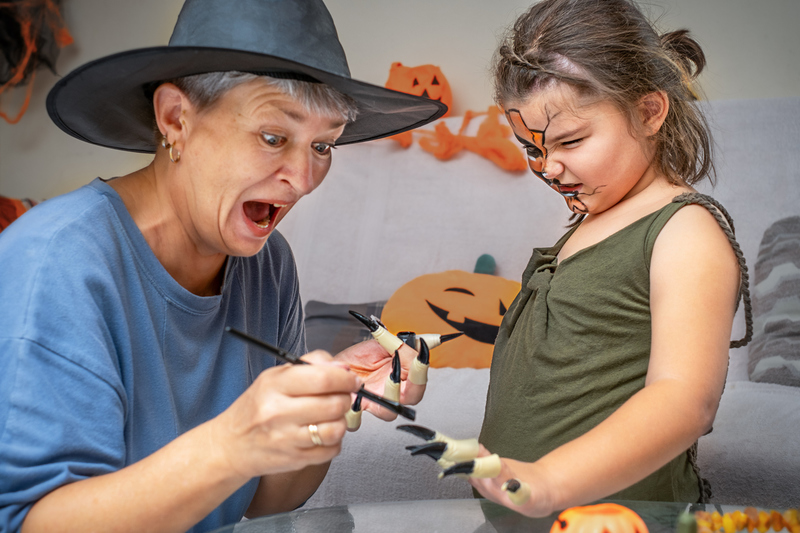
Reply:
x=273 y=140
x=572 y=142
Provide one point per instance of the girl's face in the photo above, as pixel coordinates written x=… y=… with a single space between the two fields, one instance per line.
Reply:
x=586 y=153
x=247 y=160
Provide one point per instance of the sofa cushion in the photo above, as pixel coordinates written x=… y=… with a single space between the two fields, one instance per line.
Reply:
x=332 y=328
x=774 y=353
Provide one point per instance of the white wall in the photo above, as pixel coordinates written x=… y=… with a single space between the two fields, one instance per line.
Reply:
x=753 y=50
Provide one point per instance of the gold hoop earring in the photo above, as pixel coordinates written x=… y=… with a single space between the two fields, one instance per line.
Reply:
x=164 y=143
x=172 y=158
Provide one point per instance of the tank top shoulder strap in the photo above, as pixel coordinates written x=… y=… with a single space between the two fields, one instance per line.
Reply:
x=725 y=222
x=657 y=222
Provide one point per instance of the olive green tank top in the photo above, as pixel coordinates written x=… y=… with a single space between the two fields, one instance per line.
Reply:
x=573 y=347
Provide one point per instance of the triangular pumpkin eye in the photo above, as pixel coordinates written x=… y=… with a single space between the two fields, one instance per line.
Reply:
x=415 y=82
x=502 y=308
x=435 y=81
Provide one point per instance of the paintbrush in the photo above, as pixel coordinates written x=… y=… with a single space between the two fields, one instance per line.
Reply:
x=280 y=353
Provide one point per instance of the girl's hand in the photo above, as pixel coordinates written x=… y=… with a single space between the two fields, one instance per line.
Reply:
x=373 y=365
x=531 y=483
x=266 y=430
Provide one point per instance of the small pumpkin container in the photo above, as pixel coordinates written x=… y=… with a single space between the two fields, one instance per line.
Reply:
x=449 y=302
x=600 y=518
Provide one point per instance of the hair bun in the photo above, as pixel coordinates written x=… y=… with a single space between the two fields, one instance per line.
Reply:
x=686 y=51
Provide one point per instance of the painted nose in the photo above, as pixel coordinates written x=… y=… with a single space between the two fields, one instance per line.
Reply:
x=552 y=168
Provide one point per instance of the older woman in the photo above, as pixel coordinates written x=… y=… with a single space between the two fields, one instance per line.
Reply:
x=122 y=403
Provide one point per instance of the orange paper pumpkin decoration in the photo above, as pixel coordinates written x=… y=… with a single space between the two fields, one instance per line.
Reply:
x=600 y=518
x=424 y=80
x=452 y=301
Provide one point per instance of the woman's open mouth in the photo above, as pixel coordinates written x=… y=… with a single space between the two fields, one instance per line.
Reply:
x=262 y=213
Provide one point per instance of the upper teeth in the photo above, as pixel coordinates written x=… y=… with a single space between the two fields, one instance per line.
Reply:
x=279 y=205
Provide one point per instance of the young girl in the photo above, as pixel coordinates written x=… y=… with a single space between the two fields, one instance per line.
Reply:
x=611 y=361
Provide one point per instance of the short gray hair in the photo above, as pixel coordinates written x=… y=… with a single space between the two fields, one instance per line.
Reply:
x=203 y=90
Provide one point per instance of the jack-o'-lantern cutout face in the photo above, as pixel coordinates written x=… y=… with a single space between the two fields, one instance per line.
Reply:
x=424 y=80
x=450 y=302
x=601 y=518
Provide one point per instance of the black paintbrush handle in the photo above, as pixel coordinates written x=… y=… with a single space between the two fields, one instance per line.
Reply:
x=282 y=354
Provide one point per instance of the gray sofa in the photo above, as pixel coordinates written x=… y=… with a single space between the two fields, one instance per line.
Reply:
x=386 y=215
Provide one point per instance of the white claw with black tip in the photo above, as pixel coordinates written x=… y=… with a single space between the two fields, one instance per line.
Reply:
x=518 y=491
x=431 y=339
x=457 y=449
x=434 y=450
x=392 y=387
x=483 y=467
x=379 y=332
x=353 y=416
x=452 y=451
x=418 y=373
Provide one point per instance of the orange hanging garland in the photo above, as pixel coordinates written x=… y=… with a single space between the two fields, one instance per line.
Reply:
x=492 y=138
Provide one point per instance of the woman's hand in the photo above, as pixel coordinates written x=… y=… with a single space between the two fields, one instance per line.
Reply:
x=373 y=365
x=266 y=430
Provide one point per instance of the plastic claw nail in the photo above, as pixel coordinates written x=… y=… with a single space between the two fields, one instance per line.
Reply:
x=372 y=325
x=434 y=450
x=452 y=451
x=396 y=368
x=518 y=491
x=419 y=431
x=424 y=353
x=379 y=332
x=457 y=450
x=392 y=388
x=431 y=339
x=353 y=416
x=418 y=373
x=483 y=467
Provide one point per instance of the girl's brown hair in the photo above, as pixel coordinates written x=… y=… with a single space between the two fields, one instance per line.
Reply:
x=607 y=49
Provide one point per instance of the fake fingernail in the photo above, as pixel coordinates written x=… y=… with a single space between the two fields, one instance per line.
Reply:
x=518 y=492
x=391 y=389
x=418 y=431
x=482 y=467
x=353 y=416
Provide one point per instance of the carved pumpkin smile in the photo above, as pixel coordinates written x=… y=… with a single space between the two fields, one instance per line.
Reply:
x=473 y=329
x=449 y=302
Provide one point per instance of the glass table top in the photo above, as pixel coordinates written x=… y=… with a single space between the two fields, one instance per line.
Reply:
x=437 y=516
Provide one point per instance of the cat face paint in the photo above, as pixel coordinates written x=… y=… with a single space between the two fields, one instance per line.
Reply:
x=533 y=141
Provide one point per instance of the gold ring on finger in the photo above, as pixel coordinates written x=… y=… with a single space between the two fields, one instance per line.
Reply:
x=314 y=432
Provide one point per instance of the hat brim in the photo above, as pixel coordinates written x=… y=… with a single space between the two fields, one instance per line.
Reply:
x=104 y=102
